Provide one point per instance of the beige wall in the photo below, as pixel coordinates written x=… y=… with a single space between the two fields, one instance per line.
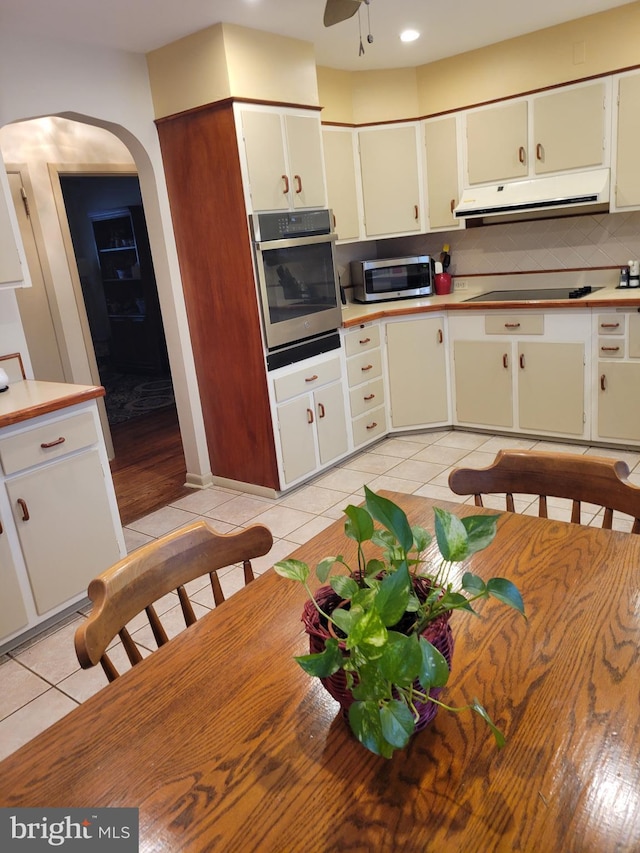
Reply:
x=596 y=44
x=230 y=61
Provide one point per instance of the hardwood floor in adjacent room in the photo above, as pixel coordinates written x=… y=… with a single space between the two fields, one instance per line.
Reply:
x=148 y=470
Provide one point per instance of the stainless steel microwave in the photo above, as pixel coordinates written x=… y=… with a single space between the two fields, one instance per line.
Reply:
x=392 y=278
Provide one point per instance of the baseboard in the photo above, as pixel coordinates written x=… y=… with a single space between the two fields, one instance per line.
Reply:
x=198 y=481
x=248 y=488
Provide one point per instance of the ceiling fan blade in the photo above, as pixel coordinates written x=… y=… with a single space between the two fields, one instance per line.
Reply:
x=339 y=10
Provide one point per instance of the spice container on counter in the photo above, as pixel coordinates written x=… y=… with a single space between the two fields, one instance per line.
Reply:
x=624 y=277
x=634 y=273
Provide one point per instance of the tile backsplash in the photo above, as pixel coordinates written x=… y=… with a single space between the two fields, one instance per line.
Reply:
x=573 y=242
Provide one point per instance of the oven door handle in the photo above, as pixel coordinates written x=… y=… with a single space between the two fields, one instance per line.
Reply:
x=292 y=242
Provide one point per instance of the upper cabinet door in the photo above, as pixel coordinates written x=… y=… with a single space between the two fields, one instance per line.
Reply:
x=284 y=160
x=306 y=173
x=497 y=143
x=390 y=180
x=10 y=267
x=443 y=193
x=339 y=162
x=627 y=174
x=569 y=129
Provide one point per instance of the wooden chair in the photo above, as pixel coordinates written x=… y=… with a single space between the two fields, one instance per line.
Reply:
x=163 y=566
x=582 y=479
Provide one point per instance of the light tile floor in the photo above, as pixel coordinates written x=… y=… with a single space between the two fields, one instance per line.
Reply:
x=41 y=681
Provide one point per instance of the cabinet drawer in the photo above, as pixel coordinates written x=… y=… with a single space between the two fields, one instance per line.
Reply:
x=514 y=324
x=369 y=426
x=611 y=324
x=362 y=339
x=360 y=368
x=34 y=446
x=306 y=379
x=610 y=349
x=366 y=397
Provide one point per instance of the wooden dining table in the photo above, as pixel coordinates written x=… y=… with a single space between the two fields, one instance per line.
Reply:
x=225 y=744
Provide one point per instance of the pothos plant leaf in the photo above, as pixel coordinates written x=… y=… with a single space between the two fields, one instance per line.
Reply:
x=434 y=671
x=390 y=516
x=359 y=524
x=506 y=592
x=397 y=723
x=294 y=570
x=451 y=535
x=325 y=663
x=364 y=719
x=481 y=531
x=393 y=596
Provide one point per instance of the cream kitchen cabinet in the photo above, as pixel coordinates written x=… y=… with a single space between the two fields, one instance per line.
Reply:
x=617 y=338
x=60 y=519
x=417 y=371
x=552 y=132
x=342 y=184
x=443 y=179
x=391 y=172
x=525 y=372
x=367 y=399
x=13 y=613
x=283 y=159
x=310 y=416
x=11 y=274
x=626 y=180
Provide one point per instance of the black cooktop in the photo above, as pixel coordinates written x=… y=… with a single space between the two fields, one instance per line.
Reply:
x=533 y=295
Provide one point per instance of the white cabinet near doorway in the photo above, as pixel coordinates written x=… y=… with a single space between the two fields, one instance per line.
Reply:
x=282 y=158
x=617 y=338
x=310 y=416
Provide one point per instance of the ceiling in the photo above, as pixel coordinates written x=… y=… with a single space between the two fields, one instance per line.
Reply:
x=448 y=26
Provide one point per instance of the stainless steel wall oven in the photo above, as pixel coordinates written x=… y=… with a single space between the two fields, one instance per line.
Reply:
x=297 y=283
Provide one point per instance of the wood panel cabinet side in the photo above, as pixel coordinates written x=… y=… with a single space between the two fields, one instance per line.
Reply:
x=202 y=169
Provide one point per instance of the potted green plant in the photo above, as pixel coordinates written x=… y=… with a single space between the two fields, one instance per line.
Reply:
x=380 y=639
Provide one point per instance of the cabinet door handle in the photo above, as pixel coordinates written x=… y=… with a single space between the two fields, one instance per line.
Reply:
x=365 y=341
x=368 y=397
x=512 y=325
x=539 y=152
x=415 y=212
x=440 y=336
x=452 y=205
x=609 y=325
x=333 y=216
x=505 y=360
x=25 y=510
x=309 y=416
x=311 y=378
x=1 y=530
x=298 y=181
x=521 y=154
x=320 y=410
x=285 y=180
x=522 y=361
x=603 y=383
x=366 y=367
x=609 y=349
x=46 y=444
x=372 y=425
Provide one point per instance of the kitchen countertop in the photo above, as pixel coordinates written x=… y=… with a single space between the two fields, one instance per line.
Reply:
x=609 y=296
x=31 y=398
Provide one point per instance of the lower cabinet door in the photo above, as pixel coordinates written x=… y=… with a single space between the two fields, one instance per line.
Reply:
x=296 y=426
x=13 y=614
x=331 y=422
x=619 y=400
x=65 y=527
x=551 y=387
x=483 y=383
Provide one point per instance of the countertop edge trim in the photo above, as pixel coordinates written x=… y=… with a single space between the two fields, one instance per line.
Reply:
x=91 y=392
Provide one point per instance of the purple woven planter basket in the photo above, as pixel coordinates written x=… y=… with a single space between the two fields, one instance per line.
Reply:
x=438 y=633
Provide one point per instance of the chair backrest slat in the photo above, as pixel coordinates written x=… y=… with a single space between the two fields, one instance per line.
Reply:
x=157 y=569
x=581 y=478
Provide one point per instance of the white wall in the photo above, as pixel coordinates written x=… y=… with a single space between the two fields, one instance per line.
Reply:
x=111 y=89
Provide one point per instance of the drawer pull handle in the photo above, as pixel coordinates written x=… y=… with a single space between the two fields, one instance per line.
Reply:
x=365 y=341
x=609 y=349
x=440 y=336
x=309 y=416
x=505 y=360
x=311 y=378
x=25 y=510
x=609 y=325
x=512 y=325
x=298 y=181
x=285 y=180
x=367 y=367
x=46 y=444
x=320 y=410
x=522 y=361
x=369 y=397
x=603 y=383
x=372 y=425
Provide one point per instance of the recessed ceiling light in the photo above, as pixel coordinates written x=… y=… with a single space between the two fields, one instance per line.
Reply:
x=409 y=35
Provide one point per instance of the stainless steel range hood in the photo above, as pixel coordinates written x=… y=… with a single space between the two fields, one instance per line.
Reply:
x=580 y=192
